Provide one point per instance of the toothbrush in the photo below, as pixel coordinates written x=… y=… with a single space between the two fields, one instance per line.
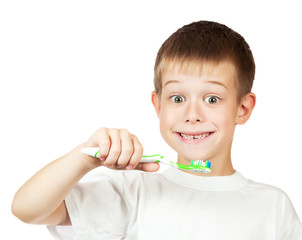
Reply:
x=198 y=166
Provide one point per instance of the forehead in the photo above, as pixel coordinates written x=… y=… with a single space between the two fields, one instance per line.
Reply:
x=222 y=72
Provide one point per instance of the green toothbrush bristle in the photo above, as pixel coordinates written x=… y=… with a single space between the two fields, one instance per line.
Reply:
x=201 y=163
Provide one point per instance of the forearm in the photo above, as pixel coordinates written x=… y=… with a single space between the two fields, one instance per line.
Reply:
x=42 y=194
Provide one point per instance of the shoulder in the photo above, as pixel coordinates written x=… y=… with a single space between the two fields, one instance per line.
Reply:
x=263 y=187
x=105 y=186
x=119 y=179
x=269 y=193
x=266 y=189
x=130 y=176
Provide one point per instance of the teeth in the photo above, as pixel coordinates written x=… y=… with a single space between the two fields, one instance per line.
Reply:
x=186 y=136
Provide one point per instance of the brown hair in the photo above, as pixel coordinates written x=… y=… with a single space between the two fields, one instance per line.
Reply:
x=205 y=41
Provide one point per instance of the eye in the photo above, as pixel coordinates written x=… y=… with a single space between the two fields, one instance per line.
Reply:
x=178 y=98
x=212 y=99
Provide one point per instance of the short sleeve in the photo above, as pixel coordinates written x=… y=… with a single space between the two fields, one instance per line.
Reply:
x=291 y=227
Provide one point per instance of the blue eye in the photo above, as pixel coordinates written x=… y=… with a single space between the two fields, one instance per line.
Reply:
x=178 y=99
x=212 y=99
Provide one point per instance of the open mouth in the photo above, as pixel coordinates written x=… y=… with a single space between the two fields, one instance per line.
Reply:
x=194 y=136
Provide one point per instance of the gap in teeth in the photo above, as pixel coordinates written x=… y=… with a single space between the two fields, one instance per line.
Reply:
x=186 y=136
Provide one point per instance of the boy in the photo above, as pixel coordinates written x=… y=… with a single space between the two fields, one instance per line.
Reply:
x=203 y=78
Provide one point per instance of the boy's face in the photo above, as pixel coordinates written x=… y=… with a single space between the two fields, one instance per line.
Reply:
x=198 y=112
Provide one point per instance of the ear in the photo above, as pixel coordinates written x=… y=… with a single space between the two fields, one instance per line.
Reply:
x=245 y=108
x=156 y=102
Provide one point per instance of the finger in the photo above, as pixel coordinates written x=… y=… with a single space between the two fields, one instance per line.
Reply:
x=103 y=142
x=127 y=149
x=115 y=148
x=137 y=153
x=100 y=139
x=148 y=167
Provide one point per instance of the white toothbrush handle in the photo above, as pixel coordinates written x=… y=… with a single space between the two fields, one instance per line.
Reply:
x=148 y=160
x=91 y=151
x=94 y=152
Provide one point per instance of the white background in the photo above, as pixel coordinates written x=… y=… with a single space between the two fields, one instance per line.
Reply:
x=70 y=67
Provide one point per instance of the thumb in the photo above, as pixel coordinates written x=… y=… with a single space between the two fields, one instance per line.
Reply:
x=148 y=167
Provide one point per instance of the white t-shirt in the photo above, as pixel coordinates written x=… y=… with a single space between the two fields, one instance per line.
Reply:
x=177 y=205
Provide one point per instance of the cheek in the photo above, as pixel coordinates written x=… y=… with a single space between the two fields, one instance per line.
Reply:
x=222 y=118
x=226 y=123
x=167 y=118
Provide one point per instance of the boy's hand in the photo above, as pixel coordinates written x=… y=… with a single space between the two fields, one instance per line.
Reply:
x=118 y=149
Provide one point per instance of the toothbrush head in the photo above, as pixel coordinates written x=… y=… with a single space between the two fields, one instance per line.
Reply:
x=197 y=166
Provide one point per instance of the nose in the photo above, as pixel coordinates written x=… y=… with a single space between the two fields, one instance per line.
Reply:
x=194 y=113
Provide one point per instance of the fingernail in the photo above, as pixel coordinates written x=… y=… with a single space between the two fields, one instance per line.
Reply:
x=129 y=167
x=103 y=159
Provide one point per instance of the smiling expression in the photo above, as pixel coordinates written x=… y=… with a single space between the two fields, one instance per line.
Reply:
x=198 y=111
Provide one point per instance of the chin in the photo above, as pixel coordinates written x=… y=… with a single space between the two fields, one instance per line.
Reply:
x=188 y=156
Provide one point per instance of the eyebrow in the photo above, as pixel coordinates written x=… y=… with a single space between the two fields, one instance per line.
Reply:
x=171 y=81
x=213 y=82
x=217 y=83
